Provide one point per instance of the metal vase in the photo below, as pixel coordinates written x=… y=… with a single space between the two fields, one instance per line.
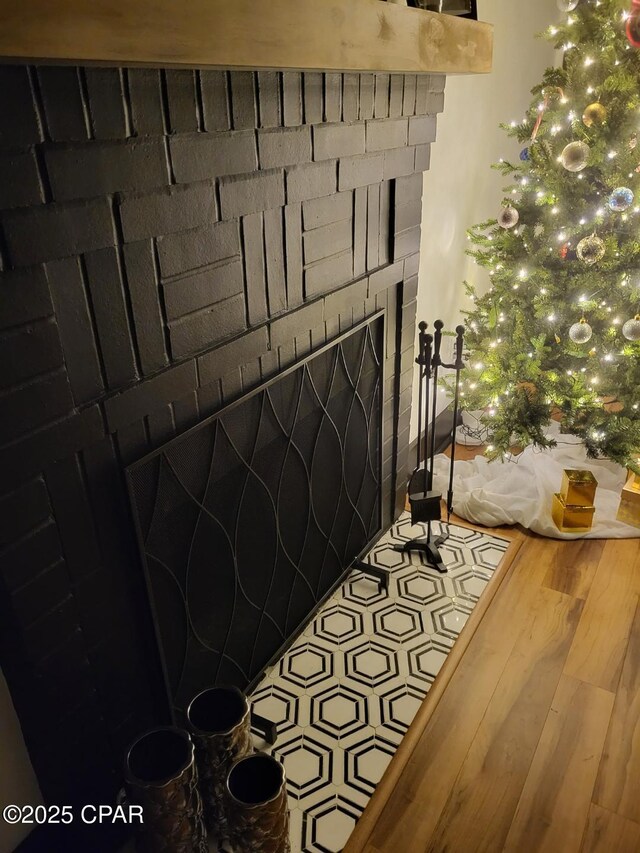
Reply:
x=257 y=805
x=220 y=723
x=162 y=777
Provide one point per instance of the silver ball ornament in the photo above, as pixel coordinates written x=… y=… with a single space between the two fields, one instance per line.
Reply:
x=590 y=249
x=508 y=217
x=620 y=199
x=631 y=329
x=580 y=332
x=574 y=156
x=567 y=5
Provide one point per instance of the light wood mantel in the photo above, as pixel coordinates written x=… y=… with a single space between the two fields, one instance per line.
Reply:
x=340 y=35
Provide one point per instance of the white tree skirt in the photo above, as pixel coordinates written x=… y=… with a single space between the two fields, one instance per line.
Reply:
x=519 y=490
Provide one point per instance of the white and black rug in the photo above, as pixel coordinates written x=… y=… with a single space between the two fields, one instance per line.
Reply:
x=345 y=693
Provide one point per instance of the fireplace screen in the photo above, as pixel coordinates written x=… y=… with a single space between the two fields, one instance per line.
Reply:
x=247 y=521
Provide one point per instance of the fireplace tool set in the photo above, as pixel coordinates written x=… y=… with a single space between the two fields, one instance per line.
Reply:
x=424 y=502
x=206 y=780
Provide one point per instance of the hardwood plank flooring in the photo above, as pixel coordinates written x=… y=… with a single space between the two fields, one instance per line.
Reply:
x=603 y=633
x=533 y=742
x=618 y=785
x=554 y=804
x=607 y=832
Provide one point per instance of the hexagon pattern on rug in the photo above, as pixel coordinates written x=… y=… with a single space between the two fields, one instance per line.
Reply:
x=346 y=691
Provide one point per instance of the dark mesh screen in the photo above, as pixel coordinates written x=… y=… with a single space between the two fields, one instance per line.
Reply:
x=247 y=520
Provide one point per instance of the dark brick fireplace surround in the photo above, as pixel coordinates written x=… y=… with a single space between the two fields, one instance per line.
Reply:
x=169 y=239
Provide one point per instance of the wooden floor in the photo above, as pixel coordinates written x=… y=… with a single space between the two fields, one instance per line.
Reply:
x=531 y=740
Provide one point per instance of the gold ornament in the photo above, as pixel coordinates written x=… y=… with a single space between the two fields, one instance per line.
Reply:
x=591 y=249
x=594 y=114
x=578 y=487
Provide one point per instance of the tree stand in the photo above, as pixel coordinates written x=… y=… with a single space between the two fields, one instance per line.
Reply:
x=424 y=502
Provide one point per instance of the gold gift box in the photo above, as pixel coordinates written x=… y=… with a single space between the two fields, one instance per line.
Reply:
x=629 y=512
x=578 y=488
x=633 y=482
x=571 y=518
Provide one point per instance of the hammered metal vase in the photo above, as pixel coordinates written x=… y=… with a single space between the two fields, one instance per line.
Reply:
x=220 y=723
x=162 y=777
x=257 y=811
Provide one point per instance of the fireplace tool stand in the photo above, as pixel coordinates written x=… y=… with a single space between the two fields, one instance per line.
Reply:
x=424 y=502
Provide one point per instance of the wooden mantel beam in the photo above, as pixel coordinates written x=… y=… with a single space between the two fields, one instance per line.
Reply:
x=340 y=35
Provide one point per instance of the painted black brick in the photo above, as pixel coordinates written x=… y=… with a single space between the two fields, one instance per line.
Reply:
x=23 y=510
x=350 y=97
x=274 y=255
x=203 y=287
x=291 y=98
x=29 y=351
x=215 y=100
x=25 y=296
x=111 y=318
x=246 y=194
x=313 y=86
x=19 y=123
x=360 y=171
x=74 y=323
x=338 y=140
x=34 y=405
x=196 y=332
x=192 y=249
x=134 y=403
x=312 y=180
x=220 y=361
x=19 y=180
x=293 y=254
x=293 y=324
x=63 y=103
x=321 y=211
x=181 y=98
x=143 y=289
x=101 y=168
x=167 y=211
x=328 y=274
x=327 y=240
x=145 y=93
x=62 y=229
x=200 y=156
x=243 y=101
x=70 y=502
x=269 y=98
x=332 y=97
x=283 y=147
x=381 y=100
x=106 y=102
x=254 y=268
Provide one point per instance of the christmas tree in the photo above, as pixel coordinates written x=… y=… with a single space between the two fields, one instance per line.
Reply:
x=557 y=335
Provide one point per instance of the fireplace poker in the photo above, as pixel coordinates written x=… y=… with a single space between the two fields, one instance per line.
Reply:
x=458 y=365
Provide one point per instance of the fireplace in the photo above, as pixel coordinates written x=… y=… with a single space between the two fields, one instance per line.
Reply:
x=248 y=521
x=171 y=241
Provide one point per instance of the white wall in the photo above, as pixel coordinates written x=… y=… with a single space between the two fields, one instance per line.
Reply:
x=18 y=783
x=461 y=189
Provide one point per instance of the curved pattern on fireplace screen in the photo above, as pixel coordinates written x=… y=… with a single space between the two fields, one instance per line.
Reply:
x=248 y=520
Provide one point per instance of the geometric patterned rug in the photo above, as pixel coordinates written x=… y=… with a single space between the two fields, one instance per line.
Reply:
x=345 y=693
